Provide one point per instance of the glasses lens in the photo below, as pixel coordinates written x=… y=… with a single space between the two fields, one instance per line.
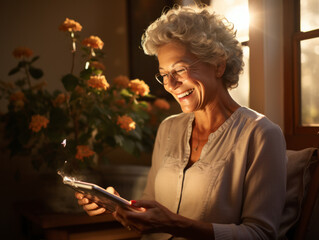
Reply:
x=159 y=78
x=180 y=72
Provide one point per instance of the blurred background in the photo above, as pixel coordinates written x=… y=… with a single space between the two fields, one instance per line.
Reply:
x=281 y=52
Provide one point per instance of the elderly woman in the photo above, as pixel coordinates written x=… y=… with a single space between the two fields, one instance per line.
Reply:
x=218 y=169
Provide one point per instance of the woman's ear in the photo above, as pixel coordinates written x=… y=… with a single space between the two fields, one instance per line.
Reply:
x=220 y=70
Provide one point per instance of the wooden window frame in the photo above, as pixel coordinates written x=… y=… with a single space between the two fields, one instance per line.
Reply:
x=297 y=136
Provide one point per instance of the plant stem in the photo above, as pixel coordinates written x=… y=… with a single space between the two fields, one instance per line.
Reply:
x=73 y=51
x=28 y=76
x=92 y=53
x=76 y=127
x=73 y=58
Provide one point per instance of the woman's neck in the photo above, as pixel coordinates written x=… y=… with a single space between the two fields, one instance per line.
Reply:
x=215 y=114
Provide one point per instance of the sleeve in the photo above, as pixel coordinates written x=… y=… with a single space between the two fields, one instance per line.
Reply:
x=264 y=189
x=149 y=191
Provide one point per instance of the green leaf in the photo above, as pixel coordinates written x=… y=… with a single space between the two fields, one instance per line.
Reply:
x=35 y=72
x=106 y=113
x=119 y=139
x=149 y=96
x=34 y=59
x=13 y=71
x=128 y=145
x=86 y=73
x=97 y=71
x=70 y=82
x=22 y=64
x=124 y=92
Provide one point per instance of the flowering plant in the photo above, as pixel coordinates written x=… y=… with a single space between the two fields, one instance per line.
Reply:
x=93 y=115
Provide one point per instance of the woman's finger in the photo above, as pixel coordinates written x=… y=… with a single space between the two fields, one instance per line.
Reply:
x=96 y=212
x=78 y=195
x=90 y=206
x=112 y=190
x=83 y=201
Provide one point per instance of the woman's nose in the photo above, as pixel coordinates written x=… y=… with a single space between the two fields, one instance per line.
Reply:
x=172 y=82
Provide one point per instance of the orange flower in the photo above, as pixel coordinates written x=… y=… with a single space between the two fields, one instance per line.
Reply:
x=139 y=87
x=121 y=81
x=70 y=25
x=120 y=102
x=17 y=96
x=20 y=52
x=98 y=82
x=7 y=85
x=79 y=90
x=161 y=104
x=97 y=65
x=126 y=123
x=38 y=122
x=61 y=98
x=18 y=105
x=93 y=42
x=83 y=151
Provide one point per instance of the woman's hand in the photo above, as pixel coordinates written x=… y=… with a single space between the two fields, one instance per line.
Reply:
x=153 y=217
x=91 y=208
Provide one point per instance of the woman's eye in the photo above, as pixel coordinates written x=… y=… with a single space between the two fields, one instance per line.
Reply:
x=164 y=75
x=180 y=70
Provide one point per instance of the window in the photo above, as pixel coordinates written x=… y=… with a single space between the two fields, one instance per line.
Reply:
x=237 y=12
x=301 y=59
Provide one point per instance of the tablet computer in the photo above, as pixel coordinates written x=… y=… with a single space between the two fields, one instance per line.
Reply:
x=98 y=194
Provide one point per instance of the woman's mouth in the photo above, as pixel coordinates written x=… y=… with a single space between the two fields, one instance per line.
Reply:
x=185 y=94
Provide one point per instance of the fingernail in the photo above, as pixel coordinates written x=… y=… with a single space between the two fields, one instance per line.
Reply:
x=133 y=202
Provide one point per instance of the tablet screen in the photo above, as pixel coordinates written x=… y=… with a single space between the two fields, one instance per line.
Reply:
x=97 y=194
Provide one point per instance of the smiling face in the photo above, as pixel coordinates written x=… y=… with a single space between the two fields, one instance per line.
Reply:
x=199 y=86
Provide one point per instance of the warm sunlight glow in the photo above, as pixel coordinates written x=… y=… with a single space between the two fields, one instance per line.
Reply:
x=309 y=19
x=240 y=17
x=236 y=12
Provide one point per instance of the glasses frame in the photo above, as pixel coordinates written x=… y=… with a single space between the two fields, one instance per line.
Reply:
x=174 y=72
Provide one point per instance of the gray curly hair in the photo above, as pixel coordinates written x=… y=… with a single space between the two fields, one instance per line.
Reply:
x=207 y=35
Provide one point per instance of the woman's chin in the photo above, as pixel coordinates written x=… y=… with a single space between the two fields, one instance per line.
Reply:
x=187 y=109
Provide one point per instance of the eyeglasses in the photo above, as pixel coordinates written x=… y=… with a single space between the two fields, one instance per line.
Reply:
x=176 y=73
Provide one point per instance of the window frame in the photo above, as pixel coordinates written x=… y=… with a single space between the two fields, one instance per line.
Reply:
x=297 y=136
